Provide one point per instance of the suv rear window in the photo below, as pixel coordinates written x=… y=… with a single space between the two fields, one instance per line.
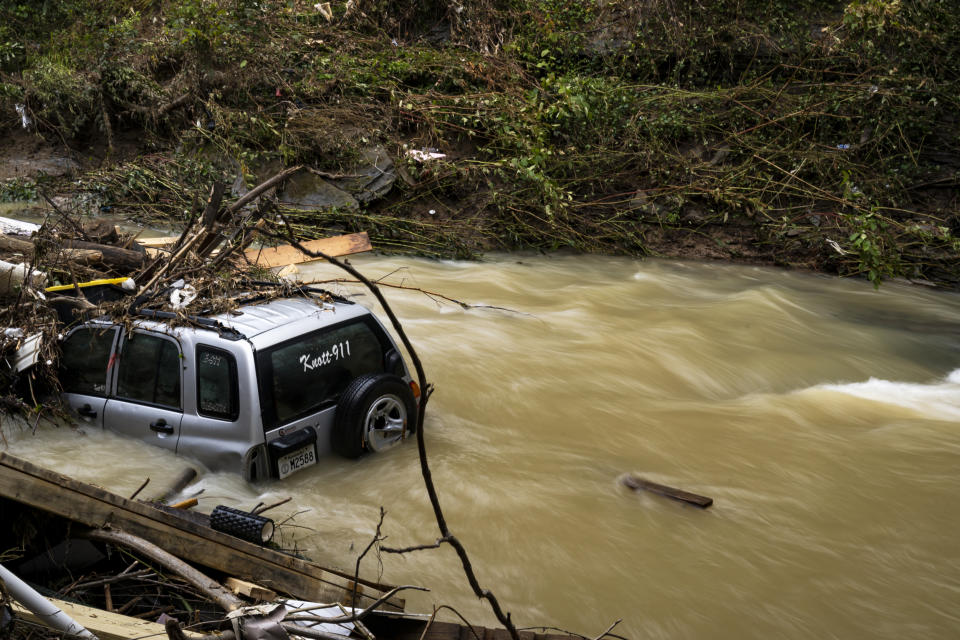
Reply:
x=301 y=376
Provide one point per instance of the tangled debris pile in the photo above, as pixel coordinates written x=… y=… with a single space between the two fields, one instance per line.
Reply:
x=158 y=570
x=65 y=270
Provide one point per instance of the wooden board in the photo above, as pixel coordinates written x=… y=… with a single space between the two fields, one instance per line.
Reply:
x=104 y=624
x=95 y=507
x=636 y=482
x=250 y=590
x=157 y=242
x=286 y=254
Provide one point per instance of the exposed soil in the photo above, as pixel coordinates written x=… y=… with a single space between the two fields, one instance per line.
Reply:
x=26 y=155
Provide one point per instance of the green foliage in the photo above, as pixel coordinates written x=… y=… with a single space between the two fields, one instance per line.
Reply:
x=552 y=36
x=11 y=52
x=18 y=190
x=202 y=25
x=62 y=94
x=871 y=16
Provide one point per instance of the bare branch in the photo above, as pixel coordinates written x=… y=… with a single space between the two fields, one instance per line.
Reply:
x=260 y=509
x=609 y=629
x=426 y=292
x=197 y=580
x=139 y=489
x=254 y=193
x=356 y=574
x=419 y=547
x=436 y=610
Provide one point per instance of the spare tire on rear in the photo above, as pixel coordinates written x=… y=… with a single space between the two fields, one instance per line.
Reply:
x=372 y=414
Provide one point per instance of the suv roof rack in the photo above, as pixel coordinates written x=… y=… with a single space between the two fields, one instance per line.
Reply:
x=223 y=330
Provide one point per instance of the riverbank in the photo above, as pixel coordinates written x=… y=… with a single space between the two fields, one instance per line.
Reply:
x=785 y=134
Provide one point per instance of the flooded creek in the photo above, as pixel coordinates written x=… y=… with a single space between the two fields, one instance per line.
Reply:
x=823 y=418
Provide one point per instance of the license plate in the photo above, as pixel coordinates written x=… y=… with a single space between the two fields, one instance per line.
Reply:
x=292 y=462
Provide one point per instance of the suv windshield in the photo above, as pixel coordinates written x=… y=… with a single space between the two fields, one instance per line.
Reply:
x=300 y=376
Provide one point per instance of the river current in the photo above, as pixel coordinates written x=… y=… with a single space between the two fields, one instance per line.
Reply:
x=822 y=416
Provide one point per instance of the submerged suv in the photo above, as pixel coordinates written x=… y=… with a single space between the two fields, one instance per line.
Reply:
x=263 y=390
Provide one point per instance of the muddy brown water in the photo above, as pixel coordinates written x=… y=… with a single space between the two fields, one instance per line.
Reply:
x=822 y=416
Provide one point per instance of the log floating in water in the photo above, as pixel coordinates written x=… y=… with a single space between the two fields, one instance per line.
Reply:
x=184 y=478
x=636 y=482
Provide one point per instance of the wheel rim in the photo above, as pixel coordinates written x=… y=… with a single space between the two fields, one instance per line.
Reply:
x=383 y=424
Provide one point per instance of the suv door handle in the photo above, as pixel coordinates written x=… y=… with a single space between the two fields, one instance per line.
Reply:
x=161 y=426
x=86 y=411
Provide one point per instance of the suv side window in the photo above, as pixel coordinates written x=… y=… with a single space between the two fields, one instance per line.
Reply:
x=217 y=393
x=86 y=357
x=302 y=375
x=149 y=370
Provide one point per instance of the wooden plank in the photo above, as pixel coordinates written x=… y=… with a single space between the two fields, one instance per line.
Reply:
x=636 y=482
x=95 y=507
x=250 y=590
x=158 y=242
x=286 y=254
x=105 y=624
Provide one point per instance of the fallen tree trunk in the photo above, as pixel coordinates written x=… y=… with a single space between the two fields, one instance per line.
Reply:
x=116 y=258
x=19 y=245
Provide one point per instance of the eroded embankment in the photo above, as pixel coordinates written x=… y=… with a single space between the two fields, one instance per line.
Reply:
x=794 y=135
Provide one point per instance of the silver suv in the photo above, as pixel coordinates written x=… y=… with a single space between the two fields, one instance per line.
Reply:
x=263 y=390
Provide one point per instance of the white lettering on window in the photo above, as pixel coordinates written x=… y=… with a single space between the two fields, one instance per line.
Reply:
x=338 y=351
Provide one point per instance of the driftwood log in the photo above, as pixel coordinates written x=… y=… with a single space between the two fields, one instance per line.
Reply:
x=123 y=260
x=636 y=483
x=15 y=244
x=179 y=483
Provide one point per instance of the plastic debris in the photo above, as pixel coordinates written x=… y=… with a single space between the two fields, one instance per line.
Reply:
x=843 y=147
x=14 y=275
x=836 y=246
x=17 y=227
x=24 y=118
x=28 y=353
x=181 y=296
x=425 y=155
